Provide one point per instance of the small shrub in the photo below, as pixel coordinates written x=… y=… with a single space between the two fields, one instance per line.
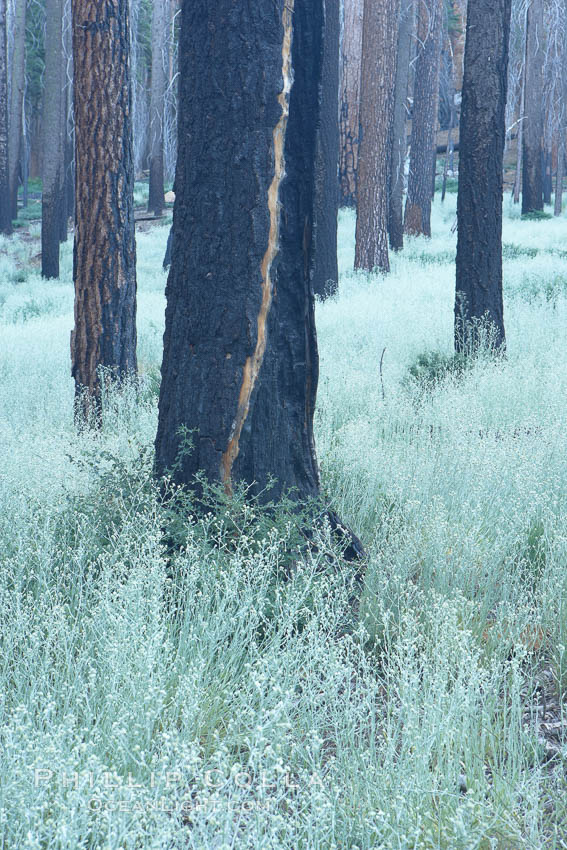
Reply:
x=431 y=368
x=536 y=215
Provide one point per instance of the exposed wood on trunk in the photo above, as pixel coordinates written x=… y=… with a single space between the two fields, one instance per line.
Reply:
x=240 y=363
x=479 y=206
x=104 y=252
x=379 y=48
x=417 y=220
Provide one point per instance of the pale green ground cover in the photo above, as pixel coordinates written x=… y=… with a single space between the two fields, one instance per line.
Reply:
x=115 y=660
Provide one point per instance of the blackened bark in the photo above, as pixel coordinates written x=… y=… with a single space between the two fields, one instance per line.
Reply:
x=532 y=171
x=104 y=267
x=5 y=212
x=479 y=205
x=240 y=365
x=425 y=100
x=325 y=271
x=157 y=102
x=52 y=164
x=16 y=101
x=167 y=257
x=349 y=101
x=379 y=45
x=399 y=138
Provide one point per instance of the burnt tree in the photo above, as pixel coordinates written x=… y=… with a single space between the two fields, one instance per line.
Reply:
x=417 y=220
x=351 y=54
x=5 y=211
x=377 y=81
x=325 y=270
x=17 y=101
x=157 y=103
x=52 y=154
x=479 y=204
x=532 y=160
x=399 y=139
x=104 y=258
x=240 y=363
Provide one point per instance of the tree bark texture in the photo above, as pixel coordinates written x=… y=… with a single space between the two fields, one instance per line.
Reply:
x=52 y=156
x=479 y=204
x=379 y=48
x=325 y=271
x=349 y=100
x=532 y=168
x=104 y=267
x=157 y=103
x=425 y=99
x=17 y=102
x=5 y=211
x=240 y=364
x=399 y=138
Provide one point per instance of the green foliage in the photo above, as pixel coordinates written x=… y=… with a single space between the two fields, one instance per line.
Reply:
x=432 y=368
x=536 y=215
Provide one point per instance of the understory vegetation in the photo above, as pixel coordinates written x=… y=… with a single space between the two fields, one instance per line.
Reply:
x=168 y=681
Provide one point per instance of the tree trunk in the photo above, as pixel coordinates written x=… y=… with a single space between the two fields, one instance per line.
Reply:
x=52 y=165
x=479 y=205
x=558 y=208
x=325 y=272
x=17 y=102
x=157 y=102
x=399 y=138
x=547 y=175
x=532 y=173
x=520 y=142
x=379 y=44
x=104 y=268
x=5 y=211
x=349 y=100
x=425 y=100
x=240 y=363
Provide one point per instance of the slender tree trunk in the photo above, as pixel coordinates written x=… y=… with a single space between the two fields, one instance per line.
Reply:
x=240 y=365
x=425 y=99
x=325 y=272
x=104 y=268
x=349 y=100
x=52 y=165
x=399 y=138
x=479 y=205
x=65 y=85
x=558 y=208
x=449 y=152
x=520 y=142
x=547 y=175
x=532 y=181
x=17 y=102
x=5 y=211
x=157 y=103
x=379 y=44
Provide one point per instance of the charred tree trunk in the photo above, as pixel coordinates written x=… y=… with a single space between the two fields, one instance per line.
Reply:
x=240 y=364
x=5 y=211
x=17 y=102
x=532 y=171
x=399 y=139
x=52 y=164
x=157 y=103
x=104 y=268
x=349 y=101
x=479 y=205
x=379 y=44
x=325 y=271
x=425 y=99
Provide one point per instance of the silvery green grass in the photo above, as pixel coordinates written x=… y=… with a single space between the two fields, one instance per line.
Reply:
x=162 y=686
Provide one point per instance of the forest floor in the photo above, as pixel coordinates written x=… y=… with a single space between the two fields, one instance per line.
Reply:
x=159 y=696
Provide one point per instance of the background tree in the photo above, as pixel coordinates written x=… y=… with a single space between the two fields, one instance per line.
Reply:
x=399 y=136
x=351 y=58
x=157 y=103
x=424 y=121
x=479 y=204
x=52 y=159
x=240 y=363
x=18 y=67
x=104 y=268
x=532 y=171
x=379 y=47
x=5 y=216
x=325 y=273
